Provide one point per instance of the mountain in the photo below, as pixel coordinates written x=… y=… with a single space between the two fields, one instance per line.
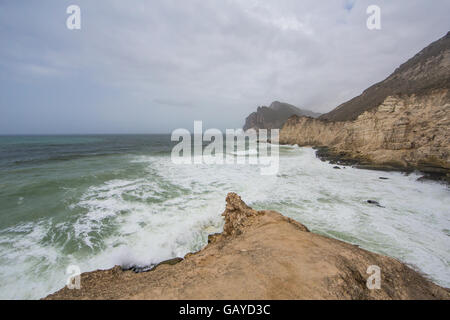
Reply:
x=401 y=123
x=426 y=71
x=275 y=116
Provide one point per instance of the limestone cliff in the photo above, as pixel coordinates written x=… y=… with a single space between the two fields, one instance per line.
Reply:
x=403 y=132
x=407 y=129
x=262 y=255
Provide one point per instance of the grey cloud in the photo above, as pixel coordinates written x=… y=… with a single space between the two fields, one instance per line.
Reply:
x=199 y=59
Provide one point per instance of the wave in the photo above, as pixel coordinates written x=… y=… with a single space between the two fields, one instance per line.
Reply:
x=156 y=210
x=248 y=152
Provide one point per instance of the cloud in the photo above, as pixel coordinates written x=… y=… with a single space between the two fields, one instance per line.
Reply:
x=153 y=66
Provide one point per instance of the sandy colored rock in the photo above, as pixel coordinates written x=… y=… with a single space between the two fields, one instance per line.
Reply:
x=262 y=255
x=401 y=122
x=404 y=131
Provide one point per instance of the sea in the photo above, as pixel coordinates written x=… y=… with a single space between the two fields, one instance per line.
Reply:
x=96 y=201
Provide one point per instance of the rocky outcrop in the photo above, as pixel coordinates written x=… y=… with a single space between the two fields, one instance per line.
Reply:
x=275 y=116
x=262 y=255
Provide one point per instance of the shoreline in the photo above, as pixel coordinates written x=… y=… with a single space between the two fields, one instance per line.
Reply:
x=326 y=154
x=261 y=255
x=344 y=159
x=403 y=133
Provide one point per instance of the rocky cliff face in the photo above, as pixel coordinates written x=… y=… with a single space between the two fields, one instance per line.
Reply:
x=262 y=255
x=408 y=129
x=275 y=116
x=427 y=71
x=404 y=132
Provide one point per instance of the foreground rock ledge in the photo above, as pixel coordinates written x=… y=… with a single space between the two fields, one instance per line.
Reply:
x=262 y=255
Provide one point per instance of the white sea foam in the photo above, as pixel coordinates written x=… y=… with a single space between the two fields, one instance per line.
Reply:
x=170 y=210
x=249 y=152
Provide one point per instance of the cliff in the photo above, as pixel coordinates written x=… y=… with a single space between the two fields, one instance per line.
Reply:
x=274 y=116
x=261 y=255
x=402 y=122
x=427 y=71
x=409 y=132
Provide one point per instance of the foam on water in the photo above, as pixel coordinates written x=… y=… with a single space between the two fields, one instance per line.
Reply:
x=170 y=210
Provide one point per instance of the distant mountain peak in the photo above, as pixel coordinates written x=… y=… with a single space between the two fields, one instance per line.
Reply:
x=274 y=116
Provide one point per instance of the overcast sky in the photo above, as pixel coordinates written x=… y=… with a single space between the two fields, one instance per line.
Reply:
x=153 y=66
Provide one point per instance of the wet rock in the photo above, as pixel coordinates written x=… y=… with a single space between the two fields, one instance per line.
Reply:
x=138 y=269
x=444 y=178
x=376 y=203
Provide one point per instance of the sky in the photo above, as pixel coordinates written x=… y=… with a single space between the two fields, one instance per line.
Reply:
x=154 y=66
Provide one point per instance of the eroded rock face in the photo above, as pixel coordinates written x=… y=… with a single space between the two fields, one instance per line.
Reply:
x=262 y=255
x=401 y=122
x=404 y=131
x=236 y=214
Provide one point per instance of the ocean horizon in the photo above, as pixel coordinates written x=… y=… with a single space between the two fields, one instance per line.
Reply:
x=96 y=201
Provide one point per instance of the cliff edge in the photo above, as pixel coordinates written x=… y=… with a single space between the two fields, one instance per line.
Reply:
x=400 y=123
x=261 y=255
x=404 y=132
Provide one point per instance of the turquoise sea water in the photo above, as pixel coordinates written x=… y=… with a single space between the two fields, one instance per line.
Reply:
x=100 y=201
